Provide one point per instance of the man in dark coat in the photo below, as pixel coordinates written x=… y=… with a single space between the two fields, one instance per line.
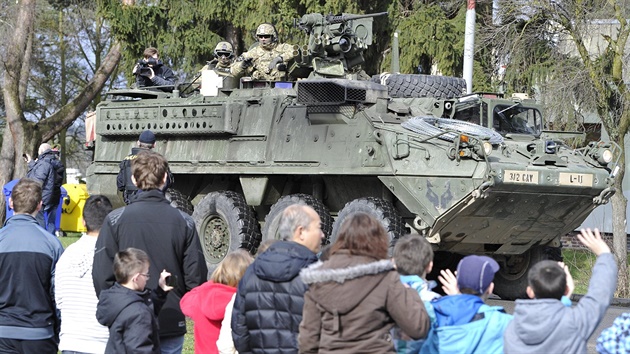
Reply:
x=151 y=71
x=146 y=142
x=48 y=170
x=166 y=234
x=269 y=300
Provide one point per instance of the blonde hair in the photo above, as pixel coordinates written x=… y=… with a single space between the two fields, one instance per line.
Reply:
x=231 y=269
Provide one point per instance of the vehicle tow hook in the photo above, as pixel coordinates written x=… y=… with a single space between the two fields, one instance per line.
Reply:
x=481 y=191
x=604 y=196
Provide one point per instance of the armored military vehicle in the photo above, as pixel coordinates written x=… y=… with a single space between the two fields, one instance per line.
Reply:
x=474 y=174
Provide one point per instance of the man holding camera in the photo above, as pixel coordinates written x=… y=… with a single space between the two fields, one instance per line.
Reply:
x=151 y=71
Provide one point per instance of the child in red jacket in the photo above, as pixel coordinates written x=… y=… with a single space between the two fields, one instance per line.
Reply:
x=205 y=304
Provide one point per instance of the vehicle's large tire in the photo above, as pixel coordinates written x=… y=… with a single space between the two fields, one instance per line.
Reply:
x=414 y=85
x=510 y=282
x=179 y=200
x=382 y=210
x=225 y=223
x=272 y=220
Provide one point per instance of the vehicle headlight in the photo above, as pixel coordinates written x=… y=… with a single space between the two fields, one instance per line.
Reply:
x=487 y=148
x=605 y=157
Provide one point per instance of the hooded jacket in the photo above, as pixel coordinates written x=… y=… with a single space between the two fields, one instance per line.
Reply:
x=464 y=324
x=205 y=305
x=269 y=300
x=548 y=326
x=48 y=170
x=352 y=304
x=132 y=319
x=170 y=239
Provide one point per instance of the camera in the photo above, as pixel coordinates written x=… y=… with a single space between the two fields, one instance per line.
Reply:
x=144 y=66
x=171 y=280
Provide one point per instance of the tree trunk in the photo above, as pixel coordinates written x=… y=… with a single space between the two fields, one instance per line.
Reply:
x=20 y=135
x=232 y=35
x=26 y=68
x=620 y=240
x=14 y=138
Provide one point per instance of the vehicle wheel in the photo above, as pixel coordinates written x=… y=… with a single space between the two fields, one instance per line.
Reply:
x=272 y=220
x=179 y=200
x=510 y=281
x=414 y=85
x=381 y=209
x=225 y=223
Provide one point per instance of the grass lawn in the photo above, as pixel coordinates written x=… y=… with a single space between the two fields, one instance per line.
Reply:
x=580 y=264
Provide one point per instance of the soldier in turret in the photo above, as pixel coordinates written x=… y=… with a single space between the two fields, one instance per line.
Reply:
x=223 y=59
x=266 y=61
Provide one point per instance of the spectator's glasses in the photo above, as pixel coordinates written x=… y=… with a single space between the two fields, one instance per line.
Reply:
x=147 y=275
x=224 y=54
x=264 y=36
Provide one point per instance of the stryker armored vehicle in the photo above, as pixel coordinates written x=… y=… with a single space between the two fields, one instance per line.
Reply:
x=473 y=174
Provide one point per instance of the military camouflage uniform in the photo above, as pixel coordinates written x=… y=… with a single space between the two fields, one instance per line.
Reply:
x=220 y=68
x=261 y=58
x=220 y=65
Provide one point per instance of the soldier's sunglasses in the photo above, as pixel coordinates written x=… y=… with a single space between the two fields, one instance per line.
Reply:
x=264 y=36
x=224 y=54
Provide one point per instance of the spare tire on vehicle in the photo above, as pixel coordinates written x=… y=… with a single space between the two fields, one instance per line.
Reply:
x=416 y=85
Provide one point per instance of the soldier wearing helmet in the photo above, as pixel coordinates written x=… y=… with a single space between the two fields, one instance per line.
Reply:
x=268 y=60
x=223 y=58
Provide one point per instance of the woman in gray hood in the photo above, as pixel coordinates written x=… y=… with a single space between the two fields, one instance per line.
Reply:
x=356 y=297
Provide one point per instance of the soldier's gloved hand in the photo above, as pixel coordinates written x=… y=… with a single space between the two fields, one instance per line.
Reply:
x=277 y=60
x=247 y=62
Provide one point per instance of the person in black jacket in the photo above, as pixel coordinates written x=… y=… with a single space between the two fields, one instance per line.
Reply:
x=168 y=235
x=269 y=300
x=130 y=310
x=146 y=141
x=49 y=171
x=151 y=71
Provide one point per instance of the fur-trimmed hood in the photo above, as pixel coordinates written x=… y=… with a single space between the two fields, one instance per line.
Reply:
x=316 y=274
x=341 y=283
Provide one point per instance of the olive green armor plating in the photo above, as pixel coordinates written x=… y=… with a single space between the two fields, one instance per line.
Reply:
x=406 y=148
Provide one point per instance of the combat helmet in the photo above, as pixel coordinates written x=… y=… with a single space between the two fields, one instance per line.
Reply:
x=224 y=52
x=267 y=29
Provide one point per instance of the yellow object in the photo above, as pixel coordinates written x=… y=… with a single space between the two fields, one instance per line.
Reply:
x=72 y=208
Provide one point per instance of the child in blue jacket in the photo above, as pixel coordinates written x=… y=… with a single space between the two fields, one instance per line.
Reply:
x=464 y=323
x=413 y=257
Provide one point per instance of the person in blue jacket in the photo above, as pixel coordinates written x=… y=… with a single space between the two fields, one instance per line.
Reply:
x=28 y=255
x=464 y=323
